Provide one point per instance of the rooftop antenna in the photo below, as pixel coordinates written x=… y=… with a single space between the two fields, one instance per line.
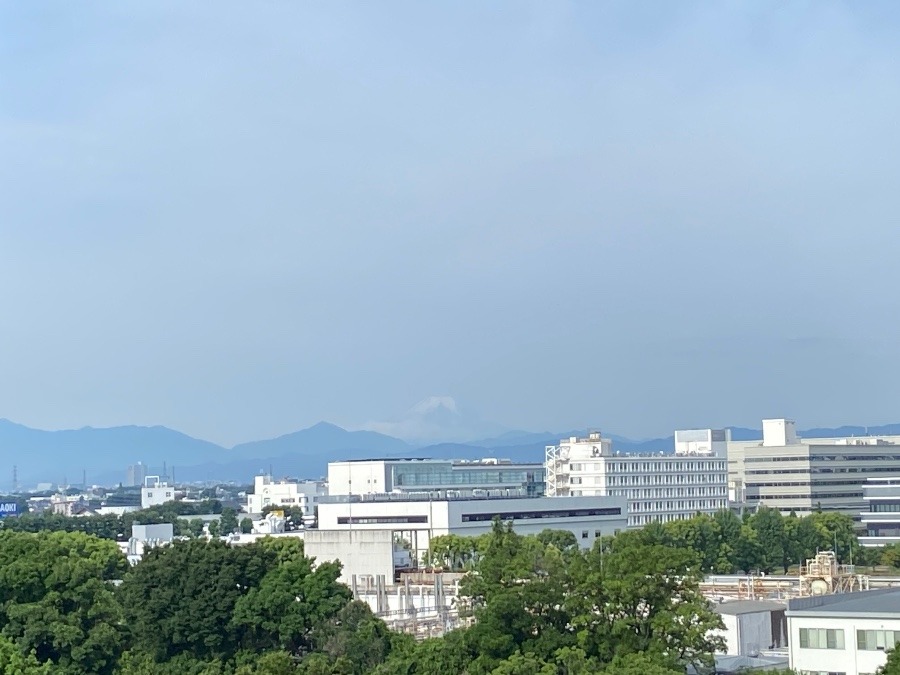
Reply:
x=15 y=478
x=84 y=479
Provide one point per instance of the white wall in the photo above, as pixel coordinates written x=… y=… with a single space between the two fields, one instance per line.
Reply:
x=361 y=552
x=156 y=495
x=358 y=478
x=447 y=517
x=848 y=660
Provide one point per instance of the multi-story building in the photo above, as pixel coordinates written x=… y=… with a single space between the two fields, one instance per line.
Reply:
x=135 y=475
x=155 y=492
x=881 y=519
x=476 y=478
x=843 y=634
x=419 y=519
x=788 y=473
x=658 y=487
x=285 y=493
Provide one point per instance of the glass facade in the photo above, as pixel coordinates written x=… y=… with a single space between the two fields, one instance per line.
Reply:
x=450 y=476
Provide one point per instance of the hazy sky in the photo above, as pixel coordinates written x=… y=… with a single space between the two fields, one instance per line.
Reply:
x=237 y=219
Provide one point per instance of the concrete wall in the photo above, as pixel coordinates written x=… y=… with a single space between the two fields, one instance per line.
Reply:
x=755 y=633
x=358 y=478
x=159 y=532
x=361 y=552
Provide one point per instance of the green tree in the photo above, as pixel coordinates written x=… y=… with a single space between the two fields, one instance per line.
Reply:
x=563 y=540
x=180 y=599
x=640 y=598
x=892 y=666
x=57 y=602
x=14 y=662
x=769 y=527
x=246 y=526
x=228 y=521
x=291 y=600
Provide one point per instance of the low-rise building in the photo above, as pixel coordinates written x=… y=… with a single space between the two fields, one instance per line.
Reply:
x=377 y=476
x=753 y=626
x=416 y=519
x=657 y=487
x=843 y=634
x=285 y=493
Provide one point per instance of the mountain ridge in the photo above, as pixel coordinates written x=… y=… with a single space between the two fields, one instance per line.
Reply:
x=104 y=453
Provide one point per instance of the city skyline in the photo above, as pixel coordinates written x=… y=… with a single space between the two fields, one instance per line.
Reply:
x=237 y=224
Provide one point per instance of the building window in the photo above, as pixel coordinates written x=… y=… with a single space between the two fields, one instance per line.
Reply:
x=876 y=640
x=584 y=534
x=821 y=638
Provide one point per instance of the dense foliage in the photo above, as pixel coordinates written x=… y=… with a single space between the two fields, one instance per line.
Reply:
x=70 y=604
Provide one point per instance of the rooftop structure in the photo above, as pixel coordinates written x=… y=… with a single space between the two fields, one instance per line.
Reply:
x=702 y=442
x=658 y=488
x=417 y=474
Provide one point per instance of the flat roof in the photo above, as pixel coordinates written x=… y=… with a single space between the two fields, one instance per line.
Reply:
x=880 y=602
x=749 y=607
x=487 y=461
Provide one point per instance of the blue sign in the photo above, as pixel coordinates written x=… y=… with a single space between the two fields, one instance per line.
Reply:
x=9 y=509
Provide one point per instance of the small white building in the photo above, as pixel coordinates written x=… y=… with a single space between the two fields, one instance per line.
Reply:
x=658 y=487
x=156 y=492
x=285 y=493
x=416 y=519
x=753 y=626
x=844 y=634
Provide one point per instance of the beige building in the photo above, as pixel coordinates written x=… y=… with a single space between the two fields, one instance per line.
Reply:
x=788 y=473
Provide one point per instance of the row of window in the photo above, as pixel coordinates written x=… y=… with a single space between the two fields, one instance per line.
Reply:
x=808 y=483
x=657 y=479
x=817 y=495
x=833 y=638
x=884 y=507
x=824 y=458
x=692 y=504
x=652 y=466
x=531 y=515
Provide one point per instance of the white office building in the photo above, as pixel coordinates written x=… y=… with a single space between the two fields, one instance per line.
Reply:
x=156 y=492
x=285 y=493
x=788 y=473
x=658 y=488
x=472 y=478
x=418 y=520
x=843 y=634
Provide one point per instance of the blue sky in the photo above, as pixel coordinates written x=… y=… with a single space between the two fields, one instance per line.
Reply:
x=237 y=219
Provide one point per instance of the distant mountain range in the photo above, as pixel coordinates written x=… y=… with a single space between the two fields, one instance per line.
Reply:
x=103 y=455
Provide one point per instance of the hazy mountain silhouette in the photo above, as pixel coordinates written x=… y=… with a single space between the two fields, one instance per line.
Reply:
x=104 y=454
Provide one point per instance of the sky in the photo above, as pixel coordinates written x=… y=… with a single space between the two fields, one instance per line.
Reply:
x=237 y=219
